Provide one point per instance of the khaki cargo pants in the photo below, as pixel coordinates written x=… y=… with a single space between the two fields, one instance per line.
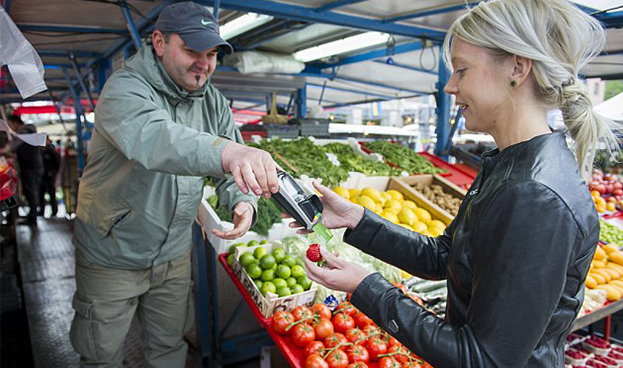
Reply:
x=106 y=300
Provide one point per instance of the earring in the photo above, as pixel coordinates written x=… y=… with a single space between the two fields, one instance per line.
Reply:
x=513 y=84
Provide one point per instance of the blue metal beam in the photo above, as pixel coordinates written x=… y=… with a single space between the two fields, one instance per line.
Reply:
x=79 y=114
x=405 y=66
x=337 y=4
x=63 y=53
x=443 y=112
x=81 y=81
x=70 y=29
x=301 y=102
x=611 y=19
x=136 y=36
x=312 y=15
x=353 y=91
x=441 y=10
x=370 y=55
x=217 y=8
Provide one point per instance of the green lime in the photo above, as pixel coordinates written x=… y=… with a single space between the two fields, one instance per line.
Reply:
x=230 y=259
x=279 y=282
x=232 y=248
x=300 y=262
x=258 y=283
x=268 y=286
x=291 y=282
x=274 y=267
x=267 y=261
x=253 y=243
x=289 y=261
x=297 y=289
x=284 y=291
x=254 y=271
x=298 y=271
x=283 y=271
x=268 y=275
x=305 y=282
x=259 y=252
x=246 y=259
x=264 y=241
x=279 y=254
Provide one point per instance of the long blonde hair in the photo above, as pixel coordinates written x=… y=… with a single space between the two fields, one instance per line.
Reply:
x=560 y=39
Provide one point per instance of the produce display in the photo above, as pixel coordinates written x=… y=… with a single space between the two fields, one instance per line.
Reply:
x=610 y=233
x=592 y=351
x=392 y=206
x=344 y=337
x=404 y=157
x=351 y=161
x=606 y=190
x=435 y=194
x=606 y=271
x=268 y=213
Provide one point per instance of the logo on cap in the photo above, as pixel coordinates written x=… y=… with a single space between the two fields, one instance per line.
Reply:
x=205 y=22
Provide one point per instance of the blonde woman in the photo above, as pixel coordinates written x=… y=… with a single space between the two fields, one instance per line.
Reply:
x=517 y=254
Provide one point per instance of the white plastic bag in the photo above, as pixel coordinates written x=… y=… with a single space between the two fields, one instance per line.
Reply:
x=24 y=63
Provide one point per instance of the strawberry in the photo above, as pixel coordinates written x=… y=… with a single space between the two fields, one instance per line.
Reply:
x=313 y=253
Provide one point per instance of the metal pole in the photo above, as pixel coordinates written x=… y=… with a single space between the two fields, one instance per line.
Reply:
x=443 y=110
x=58 y=110
x=136 y=37
x=72 y=58
x=301 y=102
x=79 y=113
x=217 y=5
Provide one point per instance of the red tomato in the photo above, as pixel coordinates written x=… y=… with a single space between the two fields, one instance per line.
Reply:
x=322 y=309
x=388 y=362
x=303 y=334
x=412 y=364
x=337 y=359
x=358 y=365
x=376 y=347
x=315 y=361
x=301 y=312
x=357 y=353
x=393 y=342
x=335 y=340
x=346 y=307
x=281 y=321
x=342 y=322
x=323 y=328
x=362 y=320
x=312 y=348
x=402 y=353
x=354 y=334
x=372 y=330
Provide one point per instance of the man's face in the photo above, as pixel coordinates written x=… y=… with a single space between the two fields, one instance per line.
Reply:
x=189 y=69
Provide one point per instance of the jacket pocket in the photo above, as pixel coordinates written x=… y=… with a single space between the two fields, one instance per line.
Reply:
x=109 y=222
x=81 y=331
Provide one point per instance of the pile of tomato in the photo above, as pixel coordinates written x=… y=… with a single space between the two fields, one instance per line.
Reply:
x=344 y=338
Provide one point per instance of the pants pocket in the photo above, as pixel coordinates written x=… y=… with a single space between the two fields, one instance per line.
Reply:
x=81 y=332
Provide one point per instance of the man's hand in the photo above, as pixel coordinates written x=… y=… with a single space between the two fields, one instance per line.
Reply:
x=251 y=168
x=243 y=217
x=338 y=274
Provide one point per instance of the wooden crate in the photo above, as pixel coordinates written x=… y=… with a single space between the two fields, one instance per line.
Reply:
x=405 y=186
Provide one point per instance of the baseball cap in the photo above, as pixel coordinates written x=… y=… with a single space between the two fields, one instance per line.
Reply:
x=194 y=24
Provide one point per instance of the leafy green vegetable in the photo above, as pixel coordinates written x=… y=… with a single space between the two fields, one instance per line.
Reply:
x=403 y=157
x=268 y=213
x=351 y=161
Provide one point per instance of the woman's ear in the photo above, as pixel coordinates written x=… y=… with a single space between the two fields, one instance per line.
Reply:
x=521 y=69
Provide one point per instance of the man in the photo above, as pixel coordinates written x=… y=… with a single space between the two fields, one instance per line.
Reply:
x=30 y=167
x=159 y=128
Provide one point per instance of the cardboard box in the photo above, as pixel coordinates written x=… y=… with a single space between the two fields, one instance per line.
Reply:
x=271 y=303
x=405 y=185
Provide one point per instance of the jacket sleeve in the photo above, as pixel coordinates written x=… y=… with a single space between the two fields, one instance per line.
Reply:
x=519 y=272
x=129 y=118
x=417 y=254
x=228 y=192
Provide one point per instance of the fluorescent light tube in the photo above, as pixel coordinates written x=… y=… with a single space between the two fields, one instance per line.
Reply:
x=341 y=46
x=242 y=24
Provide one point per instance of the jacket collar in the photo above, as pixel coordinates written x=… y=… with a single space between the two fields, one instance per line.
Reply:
x=495 y=155
x=148 y=64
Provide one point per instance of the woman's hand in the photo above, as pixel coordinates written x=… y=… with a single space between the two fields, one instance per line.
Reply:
x=338 y=274
x=338 y=212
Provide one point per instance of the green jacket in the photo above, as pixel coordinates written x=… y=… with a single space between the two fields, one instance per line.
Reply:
x=152 y=145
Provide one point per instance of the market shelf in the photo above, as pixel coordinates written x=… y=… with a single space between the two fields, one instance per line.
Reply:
x=601 y=313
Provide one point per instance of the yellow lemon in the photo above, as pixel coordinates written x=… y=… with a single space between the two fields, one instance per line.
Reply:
x=435 y=231
x=395 y=194
x=390 y=216
x=423 y=215
x=393 y=205
x=386 y=195
x=354 y=192
x=419 y=227
x=355 y=199
x=410 y=204
x=436 y=223
x=341 y=191
x=374 y=194
x=367 y=202
x=407 y=216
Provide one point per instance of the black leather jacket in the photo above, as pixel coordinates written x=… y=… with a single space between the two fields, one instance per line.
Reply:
x=515 y=257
